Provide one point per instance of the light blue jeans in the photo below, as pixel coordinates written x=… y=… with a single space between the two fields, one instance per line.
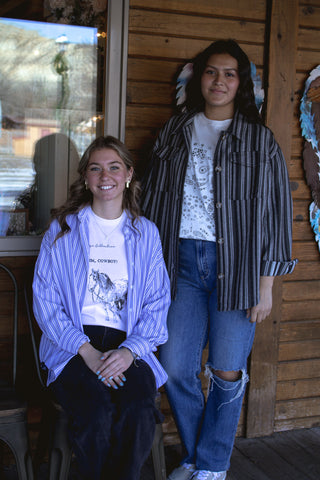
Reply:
x=207 y=427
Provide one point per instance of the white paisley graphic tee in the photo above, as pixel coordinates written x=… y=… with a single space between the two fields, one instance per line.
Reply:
x=197 y=221
x=105 y=301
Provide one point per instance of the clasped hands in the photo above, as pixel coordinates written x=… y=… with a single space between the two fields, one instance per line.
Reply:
x=108 y=366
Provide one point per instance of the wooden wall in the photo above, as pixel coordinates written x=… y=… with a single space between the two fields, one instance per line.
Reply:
x=22 y=269
x=283 y=39
x=298 y=383
x=163 y=35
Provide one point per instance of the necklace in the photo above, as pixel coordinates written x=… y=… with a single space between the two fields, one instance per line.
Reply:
x=107 y=234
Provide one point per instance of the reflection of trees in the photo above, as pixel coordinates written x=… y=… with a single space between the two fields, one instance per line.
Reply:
x=61 y=67
x=28 y=79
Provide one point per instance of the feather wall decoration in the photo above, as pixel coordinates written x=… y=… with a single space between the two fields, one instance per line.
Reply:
x=310 y=126
x=257 y=87
x=182 y=81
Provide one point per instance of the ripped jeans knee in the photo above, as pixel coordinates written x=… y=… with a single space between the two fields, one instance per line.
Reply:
x=228 y=391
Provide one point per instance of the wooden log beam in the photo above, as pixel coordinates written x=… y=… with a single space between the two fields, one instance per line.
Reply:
x=280 y=110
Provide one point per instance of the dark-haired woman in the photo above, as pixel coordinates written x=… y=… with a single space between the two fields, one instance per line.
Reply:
x=101 y=296
x=217 y=187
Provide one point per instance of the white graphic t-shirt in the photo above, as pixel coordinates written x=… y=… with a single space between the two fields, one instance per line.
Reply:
x=106 y=294
x=197 y=221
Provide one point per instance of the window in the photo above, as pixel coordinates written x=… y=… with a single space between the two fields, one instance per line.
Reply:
x=51 y=110
x=55 y=98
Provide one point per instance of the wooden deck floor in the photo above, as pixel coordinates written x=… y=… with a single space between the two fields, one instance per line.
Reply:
x=292 y=455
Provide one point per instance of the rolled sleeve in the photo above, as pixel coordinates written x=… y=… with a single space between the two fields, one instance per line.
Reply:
x=272 y=269
x=277 y=234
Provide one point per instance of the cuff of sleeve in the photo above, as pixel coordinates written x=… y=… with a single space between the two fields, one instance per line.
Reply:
x=273 y=268
x=135 y=355
x=137 y=345
x=72 y=341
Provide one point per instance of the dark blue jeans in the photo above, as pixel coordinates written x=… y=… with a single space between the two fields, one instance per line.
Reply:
x=111 y=431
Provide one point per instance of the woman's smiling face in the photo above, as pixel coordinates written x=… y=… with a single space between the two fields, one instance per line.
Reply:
x=106 y=175
x=219 y=85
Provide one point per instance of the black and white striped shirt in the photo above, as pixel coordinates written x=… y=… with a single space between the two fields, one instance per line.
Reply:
x=252 y=198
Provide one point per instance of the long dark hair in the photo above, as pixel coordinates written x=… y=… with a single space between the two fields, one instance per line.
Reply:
x=79 y=196
x=244 y=100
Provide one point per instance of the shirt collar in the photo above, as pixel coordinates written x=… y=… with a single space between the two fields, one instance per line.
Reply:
x=237 y=127
x=183 y=121
x=128 y=228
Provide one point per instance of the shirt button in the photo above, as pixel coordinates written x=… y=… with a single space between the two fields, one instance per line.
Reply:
x=221 y=276
x=218 y=205
x=218 y=169
x=221 y=240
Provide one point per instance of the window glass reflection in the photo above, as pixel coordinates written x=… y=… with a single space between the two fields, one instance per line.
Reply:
x=49 y=113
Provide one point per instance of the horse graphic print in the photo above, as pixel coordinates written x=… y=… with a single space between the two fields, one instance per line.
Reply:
x=112 y=295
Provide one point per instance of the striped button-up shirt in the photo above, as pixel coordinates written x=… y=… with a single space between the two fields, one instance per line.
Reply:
x=252 y=198
x=60 y=282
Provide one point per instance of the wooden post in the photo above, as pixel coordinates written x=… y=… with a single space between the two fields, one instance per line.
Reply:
x=280 y=110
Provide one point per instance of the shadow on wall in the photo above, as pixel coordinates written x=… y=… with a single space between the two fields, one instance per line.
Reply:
x=56 y=161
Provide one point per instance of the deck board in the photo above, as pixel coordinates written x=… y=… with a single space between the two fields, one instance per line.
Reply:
x=250 y=472
x=290 y=455
x=294 y=451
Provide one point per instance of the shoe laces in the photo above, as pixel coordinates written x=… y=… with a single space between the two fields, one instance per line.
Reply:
x=189 y=466
x=207 y=475
x=203 y=475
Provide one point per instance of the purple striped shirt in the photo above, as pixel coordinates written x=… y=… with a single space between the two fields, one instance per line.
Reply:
x=59 y=289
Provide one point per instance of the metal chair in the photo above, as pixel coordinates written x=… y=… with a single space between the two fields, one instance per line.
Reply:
x=13 y=411
x=54 y=422
x=157 y=451
x=60 y=452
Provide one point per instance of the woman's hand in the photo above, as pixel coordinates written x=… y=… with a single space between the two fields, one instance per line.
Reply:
x=114 y=364
x=109 y=366
x=259 y=312
x=91 y=356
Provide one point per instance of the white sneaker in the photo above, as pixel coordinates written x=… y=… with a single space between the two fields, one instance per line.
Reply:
x=184 y=472
x=206 y=475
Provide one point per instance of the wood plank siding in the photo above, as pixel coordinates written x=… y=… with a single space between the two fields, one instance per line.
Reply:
x=298 y=382
x=163 y=36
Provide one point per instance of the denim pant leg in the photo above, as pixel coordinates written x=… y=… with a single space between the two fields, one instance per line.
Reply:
x=193 y=319
x=230 y=341
x=111 y=431
x=181 y=356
